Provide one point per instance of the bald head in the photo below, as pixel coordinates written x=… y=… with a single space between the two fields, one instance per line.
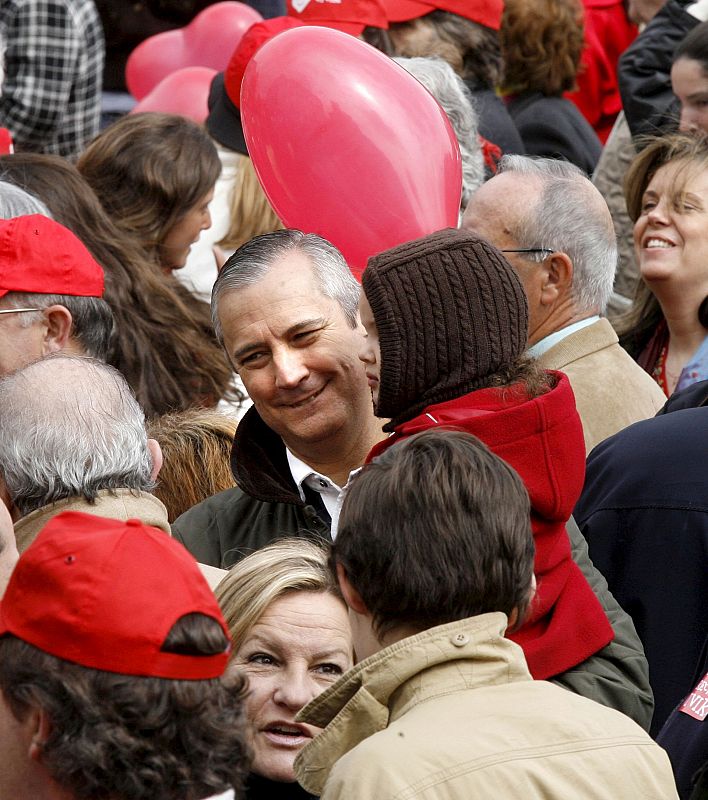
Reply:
x=70 y=426
x=545 y=203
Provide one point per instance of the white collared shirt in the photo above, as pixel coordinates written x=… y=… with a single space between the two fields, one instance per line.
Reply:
x=546 y=343
x=331 y=494
x=227 y=795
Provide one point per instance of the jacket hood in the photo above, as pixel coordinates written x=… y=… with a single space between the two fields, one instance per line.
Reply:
x=541 y=438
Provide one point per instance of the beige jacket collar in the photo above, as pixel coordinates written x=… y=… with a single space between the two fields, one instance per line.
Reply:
x=384 y=686
x=112 y=503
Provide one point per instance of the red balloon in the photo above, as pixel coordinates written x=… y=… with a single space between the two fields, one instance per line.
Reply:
x=208 y=41
x=184 y=92
x=347 y=144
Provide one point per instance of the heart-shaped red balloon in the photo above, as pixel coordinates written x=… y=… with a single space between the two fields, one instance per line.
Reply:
x=347 y=144
x=208 y=41
x=184 y=92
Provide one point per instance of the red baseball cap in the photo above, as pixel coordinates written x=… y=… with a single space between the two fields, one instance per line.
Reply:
x=350 y=16
x=39 y=255
x=485 y=12
x=105 y=593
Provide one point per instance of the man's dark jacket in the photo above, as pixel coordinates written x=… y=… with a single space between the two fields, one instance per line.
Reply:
x=644 y=513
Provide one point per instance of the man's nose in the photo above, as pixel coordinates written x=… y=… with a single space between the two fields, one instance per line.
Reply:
x=290 y=368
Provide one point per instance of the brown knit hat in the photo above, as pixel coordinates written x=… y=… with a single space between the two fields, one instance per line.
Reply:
x=450 y=312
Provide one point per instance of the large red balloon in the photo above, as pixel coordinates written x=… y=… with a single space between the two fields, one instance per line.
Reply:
x=208 y=41
x=347 y=144
x=184 y=92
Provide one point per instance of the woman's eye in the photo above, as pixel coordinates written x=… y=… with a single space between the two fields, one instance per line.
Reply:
x=261 y=658
x=329 y=669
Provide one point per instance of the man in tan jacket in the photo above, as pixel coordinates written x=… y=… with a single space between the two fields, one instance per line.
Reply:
x=556 y=230
x=434 y=556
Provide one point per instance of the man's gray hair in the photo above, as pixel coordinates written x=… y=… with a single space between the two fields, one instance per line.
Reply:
x=441 y=80
x=251 y=262
x=70 y=427
x=571 y=217
x=92 y=319
x=16 y=202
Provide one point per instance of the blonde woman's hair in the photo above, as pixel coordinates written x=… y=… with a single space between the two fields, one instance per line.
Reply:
x=283 y=567
x=196 y=449
x=249 y=210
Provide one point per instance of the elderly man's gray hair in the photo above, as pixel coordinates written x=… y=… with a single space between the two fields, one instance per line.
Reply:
x=251 y=262
x=440 y=79
x=70 y=426
x=571 y=217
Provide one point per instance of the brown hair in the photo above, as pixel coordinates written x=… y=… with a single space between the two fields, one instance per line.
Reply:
x=436 y=529
x=250 y=213
x=164 y=343
x=196 y=446
x=148 y=170
x=636 y=326
x=471 y=49
x=133 y=738
x=541 y=45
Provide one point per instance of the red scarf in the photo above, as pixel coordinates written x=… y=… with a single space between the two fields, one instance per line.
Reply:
x=542 y=439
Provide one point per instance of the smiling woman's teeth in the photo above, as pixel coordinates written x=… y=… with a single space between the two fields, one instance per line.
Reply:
x=658 y=243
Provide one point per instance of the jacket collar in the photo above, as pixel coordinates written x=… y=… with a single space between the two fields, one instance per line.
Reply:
x=387 y=684
x=259 y=462
x=112 y=503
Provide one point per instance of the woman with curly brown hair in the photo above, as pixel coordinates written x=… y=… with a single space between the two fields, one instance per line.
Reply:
x=154 y=175
x=163 y=344
x=541 y=44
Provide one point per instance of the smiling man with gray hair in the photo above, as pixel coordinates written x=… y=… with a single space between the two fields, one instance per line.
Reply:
x=556 y=230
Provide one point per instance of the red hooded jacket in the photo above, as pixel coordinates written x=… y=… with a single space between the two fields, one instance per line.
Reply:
x=542 y=439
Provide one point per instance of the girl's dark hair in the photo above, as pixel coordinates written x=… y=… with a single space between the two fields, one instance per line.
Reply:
x=148 y=170
x=695 y=46
x=164 y=343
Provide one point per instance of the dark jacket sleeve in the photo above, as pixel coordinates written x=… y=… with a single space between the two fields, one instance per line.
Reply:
x=618 y=675
x=644 y=72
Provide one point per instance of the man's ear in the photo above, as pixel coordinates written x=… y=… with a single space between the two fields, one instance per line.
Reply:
x=40 y=726
x=557 y=278
x=157 y=459
x=57 y=336
x=351 y=597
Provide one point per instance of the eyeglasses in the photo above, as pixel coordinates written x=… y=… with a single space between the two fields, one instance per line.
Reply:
x=545 y=250
x=17 y=310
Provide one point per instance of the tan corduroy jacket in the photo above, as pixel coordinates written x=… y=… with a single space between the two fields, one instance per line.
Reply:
x=115 y=504
x=611 y=390
x=453 y=714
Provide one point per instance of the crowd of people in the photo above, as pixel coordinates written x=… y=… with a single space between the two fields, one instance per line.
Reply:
x=269 y=531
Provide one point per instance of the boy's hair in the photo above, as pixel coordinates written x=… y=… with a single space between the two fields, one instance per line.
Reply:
x=434 y=530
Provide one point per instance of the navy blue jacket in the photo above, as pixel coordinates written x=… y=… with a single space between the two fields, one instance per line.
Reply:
x=644 y=513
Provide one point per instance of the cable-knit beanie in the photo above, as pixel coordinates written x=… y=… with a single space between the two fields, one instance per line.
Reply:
x=451 y=312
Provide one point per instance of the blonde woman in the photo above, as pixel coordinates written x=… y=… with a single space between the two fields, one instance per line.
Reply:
x=291 y=638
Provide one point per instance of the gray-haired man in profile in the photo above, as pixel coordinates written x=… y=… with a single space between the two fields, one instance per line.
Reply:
x=556 y=230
